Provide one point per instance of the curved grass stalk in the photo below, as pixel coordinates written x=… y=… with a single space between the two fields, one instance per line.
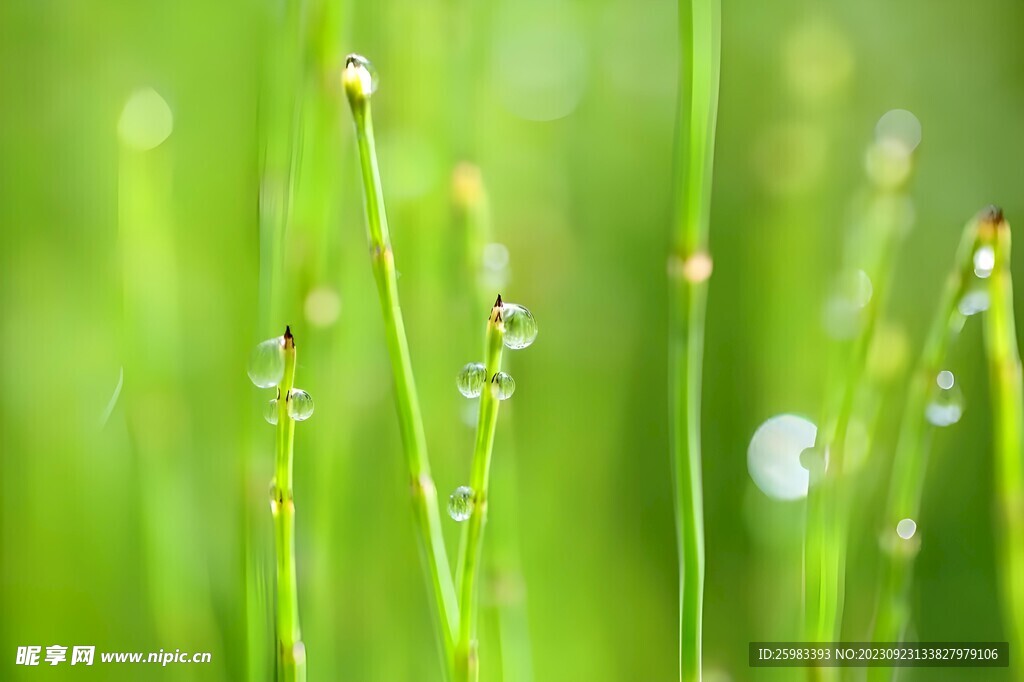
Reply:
x=470 y=551
x=1005 y=384
x=912 y=446
x=358 y=87
x=291 y=654
x=689 y=269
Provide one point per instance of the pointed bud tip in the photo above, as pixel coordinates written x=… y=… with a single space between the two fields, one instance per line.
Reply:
x=497 y=302
x=289 y=340
x=992 y=214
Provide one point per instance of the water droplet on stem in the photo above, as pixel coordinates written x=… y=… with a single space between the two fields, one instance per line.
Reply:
x=270 y=411
x=906 y=528
x=359 y=76
x=520 y=326
x=460 y=503
x=266 y=364
x=300 y=405
x=946 y=404
x=984 y=261
x=470 y=379
x=503 y=386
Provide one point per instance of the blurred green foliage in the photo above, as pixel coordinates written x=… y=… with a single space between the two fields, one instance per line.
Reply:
x=132 y=534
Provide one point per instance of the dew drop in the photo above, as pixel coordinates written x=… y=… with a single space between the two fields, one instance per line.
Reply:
x=266 y=364
x=774 y=456
x=300 y=405
x=906 y=528
x=460 y=503
x=945 y=380
x=984 y=261
x=946 y=404
x=470 y=379
x=270 y=411
x=520 y=326
x=974 y=301
x=359 y=70
x=504 y=386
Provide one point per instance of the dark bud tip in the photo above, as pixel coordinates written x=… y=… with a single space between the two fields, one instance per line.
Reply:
x=992 y=214
x=498 y=303
x=289 y=340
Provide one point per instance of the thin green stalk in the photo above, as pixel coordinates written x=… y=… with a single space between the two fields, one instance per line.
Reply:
x=1005 y=384
x=466 y=662
x=910 y=460
x=833 y=481
x=291 y=654
x=690 y=267
x=278 y=130
x=504 y=563
x=358 y=87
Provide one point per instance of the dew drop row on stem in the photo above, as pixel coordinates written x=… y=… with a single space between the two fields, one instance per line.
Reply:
x=892 y=610
x=486 y=262
x=272 y=365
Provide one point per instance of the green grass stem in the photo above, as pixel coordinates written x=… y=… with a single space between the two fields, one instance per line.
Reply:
x=892 y=611
x=1007 y=390
x=470 y=550
x=358 y=89
x=291 y=653
x=831 y=490
x=504 y=562
x=689 y=269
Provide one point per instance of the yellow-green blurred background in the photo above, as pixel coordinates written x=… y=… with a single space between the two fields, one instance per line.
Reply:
x=128 y=531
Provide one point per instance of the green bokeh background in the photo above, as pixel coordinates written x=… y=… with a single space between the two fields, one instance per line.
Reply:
x=131 y=535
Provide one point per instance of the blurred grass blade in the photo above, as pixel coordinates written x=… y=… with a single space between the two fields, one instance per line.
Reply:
x=153 y=391
x=892 y=612
x=1007 y=391
x=871 y=256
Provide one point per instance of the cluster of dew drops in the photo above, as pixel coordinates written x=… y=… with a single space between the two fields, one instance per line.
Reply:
x=266 y=369
x=520 y=332
x=946 y=403
x=782 y=452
